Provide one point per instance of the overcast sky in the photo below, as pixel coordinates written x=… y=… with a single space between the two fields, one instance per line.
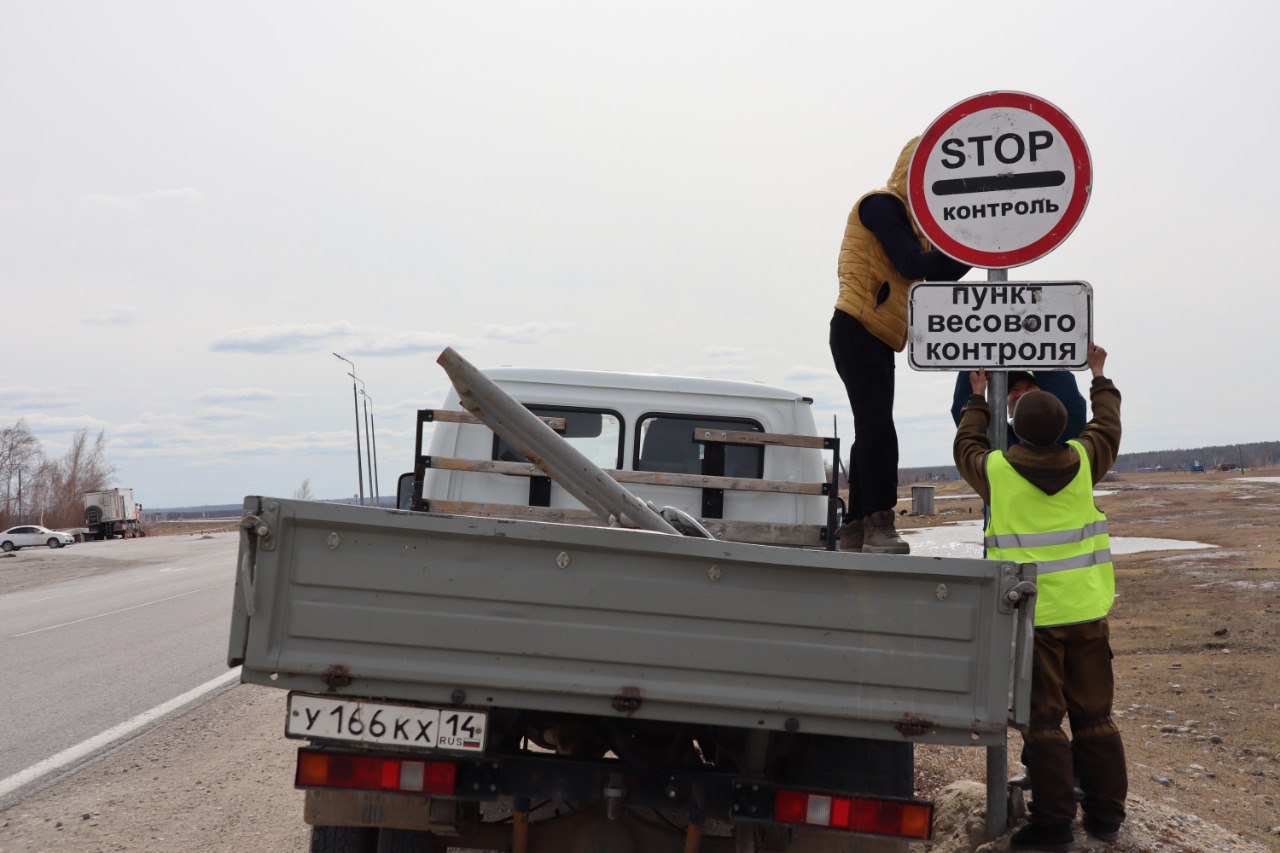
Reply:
x=199 y=202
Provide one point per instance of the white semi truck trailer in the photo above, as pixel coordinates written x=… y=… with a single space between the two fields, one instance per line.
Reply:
x=112 y=514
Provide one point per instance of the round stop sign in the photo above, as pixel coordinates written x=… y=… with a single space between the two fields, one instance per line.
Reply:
x=1000 y=179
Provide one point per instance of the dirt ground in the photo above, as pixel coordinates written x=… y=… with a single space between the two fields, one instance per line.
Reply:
x=1196 y=636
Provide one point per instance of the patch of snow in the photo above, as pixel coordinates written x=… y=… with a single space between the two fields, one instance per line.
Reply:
x=1273 y=480
x=964 y=539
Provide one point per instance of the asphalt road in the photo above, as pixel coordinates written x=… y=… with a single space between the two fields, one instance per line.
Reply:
x=80 y=657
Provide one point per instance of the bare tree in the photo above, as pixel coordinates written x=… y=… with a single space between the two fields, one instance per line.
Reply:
x=303 y=492
x=20 y=457
x=36 y=487
x=83 y=468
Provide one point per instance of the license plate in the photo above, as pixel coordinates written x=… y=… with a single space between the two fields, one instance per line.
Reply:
x=379 y=724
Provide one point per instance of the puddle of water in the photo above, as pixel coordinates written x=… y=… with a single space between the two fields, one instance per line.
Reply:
x=964 y=539
x=1240 y=584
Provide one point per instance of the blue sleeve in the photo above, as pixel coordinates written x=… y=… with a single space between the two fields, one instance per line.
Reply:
x=961 y=396
x=1062 y=384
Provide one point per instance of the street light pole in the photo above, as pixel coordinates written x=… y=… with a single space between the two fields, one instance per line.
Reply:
x=373 y=431
x=368 y=452
x=355 y=402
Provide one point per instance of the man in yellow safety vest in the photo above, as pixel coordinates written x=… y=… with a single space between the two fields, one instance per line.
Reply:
x=1040 y=495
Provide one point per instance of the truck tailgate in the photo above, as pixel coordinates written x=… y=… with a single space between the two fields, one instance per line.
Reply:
x=375 y=603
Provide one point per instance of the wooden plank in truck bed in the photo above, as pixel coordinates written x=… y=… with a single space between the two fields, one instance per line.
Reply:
x=522 y=614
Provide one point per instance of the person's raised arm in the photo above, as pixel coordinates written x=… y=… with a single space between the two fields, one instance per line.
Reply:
x=972 y=445
x=1101 y=437
x=886 y=216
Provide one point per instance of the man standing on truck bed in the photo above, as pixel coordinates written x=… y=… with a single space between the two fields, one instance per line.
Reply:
x=1041 y=498
x=883 y=253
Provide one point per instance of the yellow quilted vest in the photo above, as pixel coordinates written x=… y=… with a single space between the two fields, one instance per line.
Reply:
x=872 y=291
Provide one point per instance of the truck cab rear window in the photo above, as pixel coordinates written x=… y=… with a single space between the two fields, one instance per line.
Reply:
x=665 y=444
x=596 y=433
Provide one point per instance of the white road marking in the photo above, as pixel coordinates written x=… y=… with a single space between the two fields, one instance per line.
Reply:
x=98 y=741
x=121 y=610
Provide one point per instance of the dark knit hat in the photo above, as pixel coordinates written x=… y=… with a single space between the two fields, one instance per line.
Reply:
x=1039 y=418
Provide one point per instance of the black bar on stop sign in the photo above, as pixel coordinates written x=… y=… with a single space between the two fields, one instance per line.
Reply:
x=996 y=183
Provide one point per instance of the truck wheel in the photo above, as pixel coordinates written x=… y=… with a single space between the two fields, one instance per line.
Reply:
x=343 y=839
x=53 y=543
x=7 y=547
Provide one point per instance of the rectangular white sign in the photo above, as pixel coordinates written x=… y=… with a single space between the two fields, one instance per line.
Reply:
x=1016 y=325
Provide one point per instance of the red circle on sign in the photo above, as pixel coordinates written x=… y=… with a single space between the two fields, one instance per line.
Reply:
x=1071 y=213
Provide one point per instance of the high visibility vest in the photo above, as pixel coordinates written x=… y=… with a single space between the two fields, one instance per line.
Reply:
x=1064 y=534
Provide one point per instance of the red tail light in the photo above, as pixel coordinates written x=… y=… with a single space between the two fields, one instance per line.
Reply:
x=858 y=814
x=372 y=773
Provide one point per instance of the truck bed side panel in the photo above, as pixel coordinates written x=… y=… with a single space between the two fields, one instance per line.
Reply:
x=607 y=621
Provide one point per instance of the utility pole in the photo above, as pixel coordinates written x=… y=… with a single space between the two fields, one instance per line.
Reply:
x=355 y=402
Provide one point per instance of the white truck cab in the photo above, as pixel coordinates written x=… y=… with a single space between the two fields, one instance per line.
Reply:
x=630 y=422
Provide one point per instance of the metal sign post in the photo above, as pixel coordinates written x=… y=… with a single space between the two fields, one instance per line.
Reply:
x=998 y=180
x=998 y=389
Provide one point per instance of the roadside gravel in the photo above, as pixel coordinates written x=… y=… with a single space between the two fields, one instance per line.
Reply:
x=217 y=778
x=40 y=567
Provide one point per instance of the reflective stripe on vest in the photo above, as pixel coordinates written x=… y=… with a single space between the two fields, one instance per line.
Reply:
x=1064 y=534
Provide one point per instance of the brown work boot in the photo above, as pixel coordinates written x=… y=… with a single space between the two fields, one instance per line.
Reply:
x=879 y=537
x=850 y=535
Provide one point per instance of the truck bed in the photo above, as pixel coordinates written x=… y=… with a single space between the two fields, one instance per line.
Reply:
x=385 y=604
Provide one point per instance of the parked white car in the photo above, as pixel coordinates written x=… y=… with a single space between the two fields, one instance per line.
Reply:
x=33 y=534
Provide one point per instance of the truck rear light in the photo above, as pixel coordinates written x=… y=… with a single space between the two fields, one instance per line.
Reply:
x=857 y=814
x=373 y=773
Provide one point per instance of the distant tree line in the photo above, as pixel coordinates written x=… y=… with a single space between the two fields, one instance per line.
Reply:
x=1259 y=454
x=35 y=489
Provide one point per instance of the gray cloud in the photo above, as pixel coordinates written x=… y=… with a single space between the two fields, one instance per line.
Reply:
x=223 y=413
x=286 y=338
x=406 y=343
x=26 y=397
x=242 y=395
x=41 y=423
x=429 y=400
x=527 y=333
x=724 y=352
x=140 y=202
x=807 y=373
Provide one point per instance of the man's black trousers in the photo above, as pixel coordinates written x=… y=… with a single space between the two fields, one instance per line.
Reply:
x=865 y=365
